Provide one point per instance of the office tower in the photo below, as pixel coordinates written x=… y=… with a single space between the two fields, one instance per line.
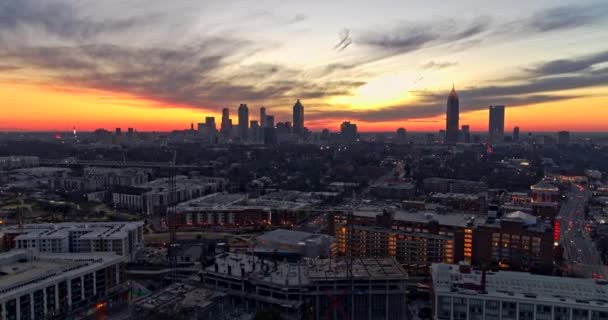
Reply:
x=298 y=118
x=348 y=131
x=254 y=131
x=263 y=117
x=442 y=136
x=210 y=124
x=243 y=121
x=269 y=121
x=516 y=134
x=466 y=133
x=497 y=124
x=118 y=131
x=563 y=137
x=452 y=115
x=401 y=135
x=226 y=126
x=130 y=131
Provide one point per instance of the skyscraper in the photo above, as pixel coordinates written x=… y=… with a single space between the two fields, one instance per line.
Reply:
x=497 y=124
x=452 y=118
x=516 y=134
x=243 y=121
x=298 y=118
x=348 y=131
x=226 y=126
x=466 y=133
x=563 y=137
x=263 y=117
x=210 y=124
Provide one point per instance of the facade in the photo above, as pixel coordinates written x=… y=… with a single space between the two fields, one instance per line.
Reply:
x=298 y=118
x=121 y=238
x=53 y=286
x=452 y=118
x=516 y=134
x=441 y=185
x=421 y=238
x=306 y=290
x=99 y=178
x=226 y=126
x=16 y=162
x=263 y=117
x=243 y=122
x=563 y=138
x=497 y=124
x=459 y=292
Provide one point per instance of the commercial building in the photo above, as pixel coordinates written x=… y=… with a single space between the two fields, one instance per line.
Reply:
x=122 y=238
x=563 y=138
x=516 y=134
x=452 y=118
x=54 y=286
x=313 y=288
x=281 y=243
x=497 y=124
x=348 y=131
x=237 y=210
x=441 y=185
x=154 y=196
x=459 y=292
x=99 y=178
x=466 y=134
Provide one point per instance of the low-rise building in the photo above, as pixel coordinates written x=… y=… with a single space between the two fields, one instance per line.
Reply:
x=294 y=244
x=122 y=238
x=459 y=292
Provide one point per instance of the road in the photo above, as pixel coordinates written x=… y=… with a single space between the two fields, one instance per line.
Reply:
x=580 y=253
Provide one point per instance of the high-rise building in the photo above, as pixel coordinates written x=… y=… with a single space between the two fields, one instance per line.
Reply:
x=269 y=121
x=226 y=122
x=298 y=118
x=243 y=121
x=516 y=134
x=497 y=124
x=466 y=133
x=263 y=117
x=348 y=131
x=118 y=131
x=254 y=131
x=210 y=124
x=563 y=137
x=401 y=136
x=452 y=118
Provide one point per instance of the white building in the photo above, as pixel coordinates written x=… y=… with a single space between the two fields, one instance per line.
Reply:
x=122 y=238
x=51 y=286
x=462 y=293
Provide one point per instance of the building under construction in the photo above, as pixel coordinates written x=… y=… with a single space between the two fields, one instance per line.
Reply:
x=365 y=288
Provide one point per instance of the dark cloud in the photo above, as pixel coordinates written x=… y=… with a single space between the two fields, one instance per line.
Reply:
x=439 y=65
x=8 y=68
x=59 y=18
x=563 y=66
x=566 y=17
x=408 y=37
x=297 y=18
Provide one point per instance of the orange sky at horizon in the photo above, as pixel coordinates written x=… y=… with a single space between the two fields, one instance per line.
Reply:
x=44 y=108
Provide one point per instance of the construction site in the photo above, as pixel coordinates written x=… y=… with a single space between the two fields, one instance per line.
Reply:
x=331 y=288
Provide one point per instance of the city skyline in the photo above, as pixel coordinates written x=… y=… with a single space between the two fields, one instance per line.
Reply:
x=159 y=67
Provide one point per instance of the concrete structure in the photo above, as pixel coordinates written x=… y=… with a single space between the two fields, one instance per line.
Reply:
x=458 y=292
x=314 y=288
x=452 y=118
x=122 y=238
x=52 y=286
x=497 y=125
x=348 y=131
x=180 y=301
x=98 y=178
x=243 y=122
x=294 y=244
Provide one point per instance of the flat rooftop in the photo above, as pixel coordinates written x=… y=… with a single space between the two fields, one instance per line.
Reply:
x=94 y=230
x=292 y=237
x=185 y=295
x=22 y=270
x=520 y=285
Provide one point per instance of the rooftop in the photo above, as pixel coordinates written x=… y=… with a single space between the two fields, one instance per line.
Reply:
x=519 y=285
x=108 y=230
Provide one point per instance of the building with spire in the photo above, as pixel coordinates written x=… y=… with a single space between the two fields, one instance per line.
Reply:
x=452 y=118
x=298 y=118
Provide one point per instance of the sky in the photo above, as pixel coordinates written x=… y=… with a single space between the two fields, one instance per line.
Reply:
x=384 y=64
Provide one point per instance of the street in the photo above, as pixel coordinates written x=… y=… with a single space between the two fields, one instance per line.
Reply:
x=580 y=253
